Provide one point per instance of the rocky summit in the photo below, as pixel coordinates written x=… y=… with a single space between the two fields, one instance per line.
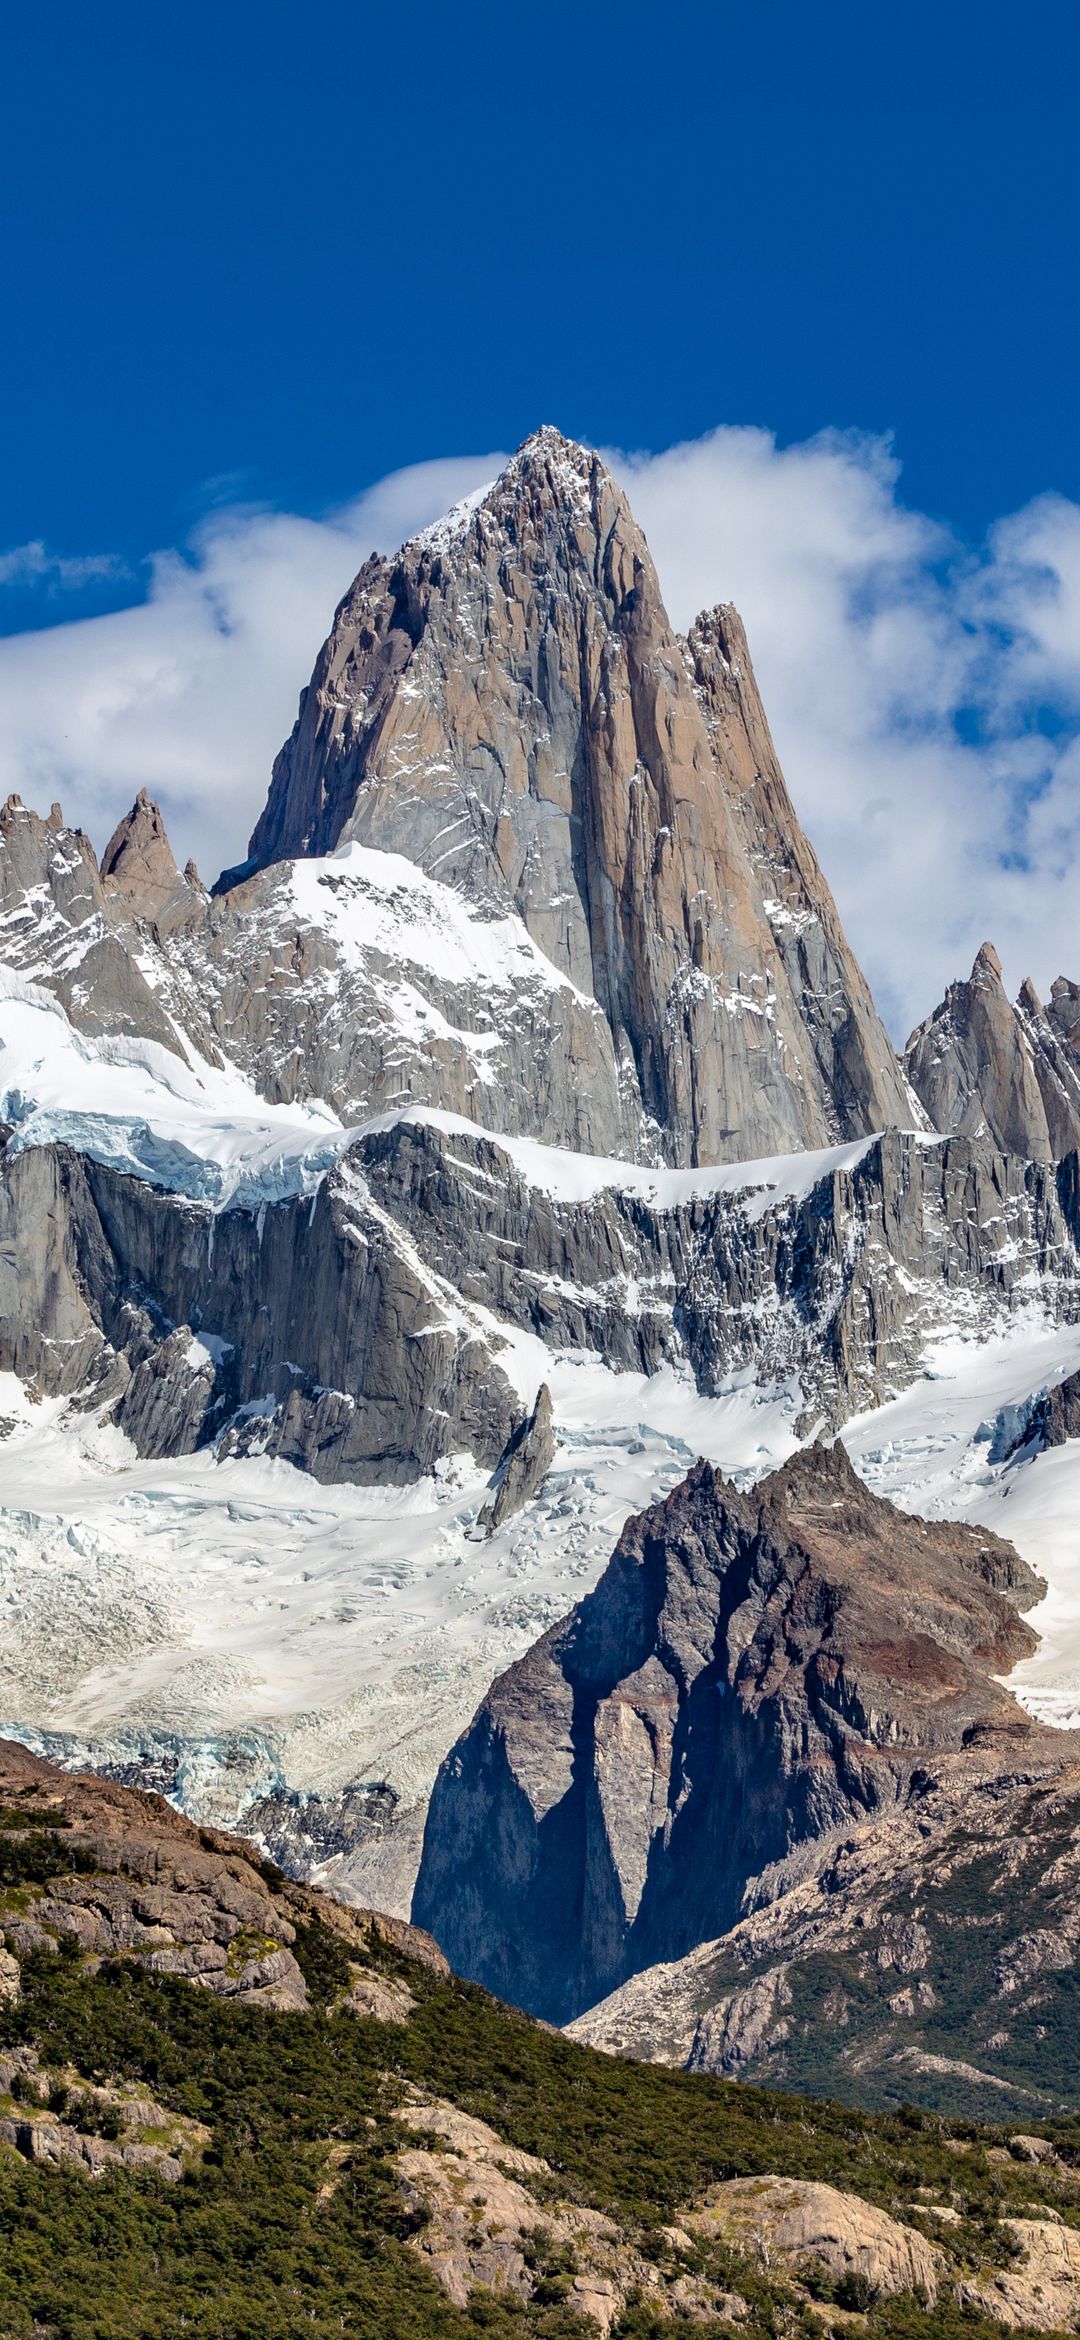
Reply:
x=517 y=1398
x=752 y=1673
x=506 y=703
x=1009 y=1073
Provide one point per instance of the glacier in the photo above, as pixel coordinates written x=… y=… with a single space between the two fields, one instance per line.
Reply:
x=268 y=1634
x=193 y=1128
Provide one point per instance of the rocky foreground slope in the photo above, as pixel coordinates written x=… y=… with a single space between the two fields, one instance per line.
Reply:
x=229 y=2107
x=782 y=1701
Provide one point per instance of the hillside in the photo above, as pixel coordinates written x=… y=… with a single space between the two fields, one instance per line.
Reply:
x=336 y=2136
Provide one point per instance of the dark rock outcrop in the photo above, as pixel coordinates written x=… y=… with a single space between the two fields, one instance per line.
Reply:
x=752 y=1671
x=524 y=1466
x=1050 y=1418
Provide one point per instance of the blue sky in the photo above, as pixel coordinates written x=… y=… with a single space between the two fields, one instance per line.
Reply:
x=259 y=259
x=280 y=250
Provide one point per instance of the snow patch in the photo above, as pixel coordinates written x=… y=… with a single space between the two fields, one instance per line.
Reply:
x=202 y=1132
x=368 y=901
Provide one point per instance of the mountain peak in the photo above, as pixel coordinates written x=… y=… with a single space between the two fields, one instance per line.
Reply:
x=982 y=1067
x=138 y=864
x=547 y=469
x=506 y=705
x=566 y=462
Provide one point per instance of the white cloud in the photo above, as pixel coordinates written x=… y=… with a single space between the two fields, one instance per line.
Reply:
x=191 y=692
x=34 y=564
x=907 y=680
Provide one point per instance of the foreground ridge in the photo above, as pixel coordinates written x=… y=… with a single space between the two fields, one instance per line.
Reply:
x=755 y=1673
x=380 y=2148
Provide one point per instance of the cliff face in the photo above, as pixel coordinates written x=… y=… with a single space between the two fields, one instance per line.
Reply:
x=983 y=1067
x=310 y=1330
x=752 y=1671
x=366 y=1332
x=506 y=703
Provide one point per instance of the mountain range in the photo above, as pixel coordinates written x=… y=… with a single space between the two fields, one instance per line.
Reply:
x=516 y=1392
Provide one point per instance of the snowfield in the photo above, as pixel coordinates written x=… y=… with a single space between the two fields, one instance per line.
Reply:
x=286 y=1633
x=368 y=901
x=188 y=1126
x=267 y=1632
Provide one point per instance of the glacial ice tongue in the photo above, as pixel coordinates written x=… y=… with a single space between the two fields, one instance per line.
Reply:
x=199 y=1131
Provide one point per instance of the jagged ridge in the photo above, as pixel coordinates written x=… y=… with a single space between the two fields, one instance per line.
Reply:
x=752 y=1671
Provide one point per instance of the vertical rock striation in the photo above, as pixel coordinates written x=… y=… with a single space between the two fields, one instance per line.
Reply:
x=985 y=1068
x=506 y=702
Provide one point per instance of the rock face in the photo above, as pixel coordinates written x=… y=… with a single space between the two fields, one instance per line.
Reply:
x=834 y=1280
x=816 y=2226
x=524 y=1466
x=1042 y=2292
x=506 y=703
x=492 y=2221
x=1054 y=1416
x=982 y=1067
x=927 y=1954
x=366 y=1332
x=311 y=1329
x=753 y=1671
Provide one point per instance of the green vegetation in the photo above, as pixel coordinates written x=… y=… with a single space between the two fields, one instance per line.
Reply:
x=845 y=2040
x=256 y=2244
x=33 y=1854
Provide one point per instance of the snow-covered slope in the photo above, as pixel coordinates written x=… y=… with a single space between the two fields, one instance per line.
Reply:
x=198 y=1129
x=239 y=1634
x=943 y=1449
